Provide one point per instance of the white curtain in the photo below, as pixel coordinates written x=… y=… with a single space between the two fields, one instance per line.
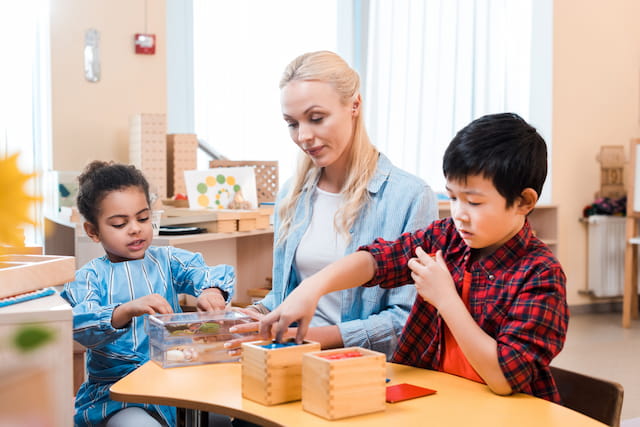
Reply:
x=25 y=118
x=241 y=48
x=434 y=65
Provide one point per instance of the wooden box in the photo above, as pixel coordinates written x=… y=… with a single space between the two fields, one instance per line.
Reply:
x=343 y=382
x=220 y=220
x=25 y=273
x=182 y=155
x=273 y=375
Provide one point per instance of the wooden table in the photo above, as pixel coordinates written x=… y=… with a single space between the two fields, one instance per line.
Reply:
x=458 y=402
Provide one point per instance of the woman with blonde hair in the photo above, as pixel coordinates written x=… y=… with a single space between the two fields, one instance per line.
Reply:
x=344 y=194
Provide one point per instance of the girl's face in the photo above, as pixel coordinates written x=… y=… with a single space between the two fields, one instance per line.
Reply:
x=123 y=225
x=319 y=123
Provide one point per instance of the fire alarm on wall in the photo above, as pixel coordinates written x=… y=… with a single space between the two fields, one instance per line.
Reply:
x=145 y=43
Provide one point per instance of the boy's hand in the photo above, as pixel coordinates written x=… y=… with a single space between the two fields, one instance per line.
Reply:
x=148 y=304
x=432 y=278
x=211 y=299
x=299 y=306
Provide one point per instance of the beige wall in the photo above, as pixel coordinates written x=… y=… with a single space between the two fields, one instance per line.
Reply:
x=91 y=120
x=596 y=74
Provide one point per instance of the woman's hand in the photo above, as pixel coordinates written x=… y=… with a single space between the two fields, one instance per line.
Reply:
x=234 y=345
x=432 y=278
x=148 y=304
x=211 y=299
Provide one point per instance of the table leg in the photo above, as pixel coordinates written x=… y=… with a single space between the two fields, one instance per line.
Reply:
x=192 y=418
x=630 y=296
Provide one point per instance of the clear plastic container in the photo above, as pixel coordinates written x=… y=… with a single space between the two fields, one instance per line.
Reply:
x=194 y=338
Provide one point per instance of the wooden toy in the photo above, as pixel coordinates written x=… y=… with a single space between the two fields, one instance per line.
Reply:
x=182 y=155
x=612 y=160
x=271 y=372
x=195 y=338
x=148 y=149
x=343 y=382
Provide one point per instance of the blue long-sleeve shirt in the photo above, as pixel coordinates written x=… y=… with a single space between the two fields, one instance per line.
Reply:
x=99 y=287
x=370 y=317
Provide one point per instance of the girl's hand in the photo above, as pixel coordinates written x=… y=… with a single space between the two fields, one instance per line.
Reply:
x=148 y=304
x=211 y=299
x=432 y=278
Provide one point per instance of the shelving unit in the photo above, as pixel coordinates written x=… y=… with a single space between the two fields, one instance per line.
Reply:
x=250 y=252
x=543 y=219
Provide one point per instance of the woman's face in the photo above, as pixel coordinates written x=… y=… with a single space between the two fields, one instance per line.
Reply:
x=319 y=123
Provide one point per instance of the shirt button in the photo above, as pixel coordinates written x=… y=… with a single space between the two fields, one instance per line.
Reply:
x=491 y=277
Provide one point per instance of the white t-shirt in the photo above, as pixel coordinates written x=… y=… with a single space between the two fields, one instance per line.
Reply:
x=321 y=245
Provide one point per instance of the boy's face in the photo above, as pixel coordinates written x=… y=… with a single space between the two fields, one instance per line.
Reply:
x=481 y=215
x=124 y=225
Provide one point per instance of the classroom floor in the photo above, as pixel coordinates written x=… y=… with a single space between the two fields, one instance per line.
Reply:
x=598 y=345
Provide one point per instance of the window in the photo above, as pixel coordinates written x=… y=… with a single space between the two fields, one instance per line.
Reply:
x=240 y=49
x=428 y=68
x=25 y=88
x=435 y=65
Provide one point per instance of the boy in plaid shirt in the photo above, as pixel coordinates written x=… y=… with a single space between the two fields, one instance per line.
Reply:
x=491 y=302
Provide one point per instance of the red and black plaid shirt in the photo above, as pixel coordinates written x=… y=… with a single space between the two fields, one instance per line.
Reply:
x=517 y=296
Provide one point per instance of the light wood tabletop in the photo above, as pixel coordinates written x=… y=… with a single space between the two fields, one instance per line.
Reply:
x=458 y=402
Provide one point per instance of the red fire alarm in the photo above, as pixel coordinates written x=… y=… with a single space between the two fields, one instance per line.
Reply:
x=145 y=43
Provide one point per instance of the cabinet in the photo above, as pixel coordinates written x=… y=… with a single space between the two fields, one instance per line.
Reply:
x=543 y=220
x=36 y=386
x=250 y=252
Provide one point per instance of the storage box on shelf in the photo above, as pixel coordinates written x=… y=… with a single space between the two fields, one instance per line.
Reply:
x=272 y=373
x=219 y=221
x=343 y=383
x=195 y=338
x=24 y=273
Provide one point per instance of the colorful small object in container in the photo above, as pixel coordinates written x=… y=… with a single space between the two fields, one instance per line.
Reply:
x=194 y=338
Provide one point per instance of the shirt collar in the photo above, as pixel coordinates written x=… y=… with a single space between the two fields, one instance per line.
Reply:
x=512 y=250
x=383 y=170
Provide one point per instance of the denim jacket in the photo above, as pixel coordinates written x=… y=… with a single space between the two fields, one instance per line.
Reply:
x=371 y=317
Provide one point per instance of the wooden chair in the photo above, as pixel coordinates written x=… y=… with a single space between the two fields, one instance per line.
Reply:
x=594 y=397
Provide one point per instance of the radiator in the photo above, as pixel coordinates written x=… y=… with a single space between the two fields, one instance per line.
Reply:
x=606 y=255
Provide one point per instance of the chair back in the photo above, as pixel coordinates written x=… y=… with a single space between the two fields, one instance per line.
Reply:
x=594 y=397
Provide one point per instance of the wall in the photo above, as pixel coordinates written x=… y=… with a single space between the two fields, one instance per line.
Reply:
x=91 y=120
x=596 y=74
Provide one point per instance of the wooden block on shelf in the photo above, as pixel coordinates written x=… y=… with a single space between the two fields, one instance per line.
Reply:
x=182 y=154
x=273 y=375
x=24 y=273
x=343 y=382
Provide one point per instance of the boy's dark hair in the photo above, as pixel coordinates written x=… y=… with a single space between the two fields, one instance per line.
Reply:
x=99 y=179
x=503 y=148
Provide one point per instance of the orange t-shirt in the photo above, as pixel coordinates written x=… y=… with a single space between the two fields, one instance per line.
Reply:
x=453 y=360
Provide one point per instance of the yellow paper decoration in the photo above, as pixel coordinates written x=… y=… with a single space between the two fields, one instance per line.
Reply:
x=14 y=202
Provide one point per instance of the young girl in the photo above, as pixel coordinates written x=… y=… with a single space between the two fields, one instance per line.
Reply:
x=112 y=293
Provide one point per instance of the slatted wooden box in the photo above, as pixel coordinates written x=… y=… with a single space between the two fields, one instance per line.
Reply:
x=273 y=375
x=344 y=386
